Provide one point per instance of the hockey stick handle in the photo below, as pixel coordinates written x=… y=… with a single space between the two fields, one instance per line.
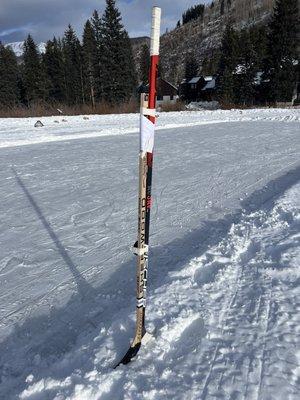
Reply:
x=155 y=42
x=155 y=31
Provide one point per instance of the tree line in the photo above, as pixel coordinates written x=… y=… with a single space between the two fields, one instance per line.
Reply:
x=192 y=13
x=257 y=65
x=100 y=68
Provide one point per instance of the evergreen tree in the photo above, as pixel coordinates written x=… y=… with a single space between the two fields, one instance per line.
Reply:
x=246 y=70
x=258 y=37
x=191 y=71
x=54 y=69
x=228 y=65
x=32 y=73
x=222 y=7
x=89 y=47
x=160 y=70
x=144 y=64
x=119 y=77
x=9 y=92
x=283 y=38
x=210 y=64
x=191 y=67
x=97 y=27
x=74 y=79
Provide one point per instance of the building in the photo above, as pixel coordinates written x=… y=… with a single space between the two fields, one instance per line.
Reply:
x=199 y=88
x=209 y=90
x=166 y=91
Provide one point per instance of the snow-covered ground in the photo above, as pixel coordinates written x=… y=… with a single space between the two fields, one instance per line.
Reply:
x=18 y=132
x=224 y=266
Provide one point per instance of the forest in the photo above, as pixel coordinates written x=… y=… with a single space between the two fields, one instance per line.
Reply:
x=97 y=74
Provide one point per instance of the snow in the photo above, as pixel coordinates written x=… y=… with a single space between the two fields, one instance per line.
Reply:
x=18 y=48
x=223 y=303
x=19 y=131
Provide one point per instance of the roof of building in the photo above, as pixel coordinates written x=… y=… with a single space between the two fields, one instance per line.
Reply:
x=208 y=78
x=173 y=86
x=210 y=85
x=196 y=79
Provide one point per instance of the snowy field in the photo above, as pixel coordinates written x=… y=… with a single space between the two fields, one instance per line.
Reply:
x=224 y=275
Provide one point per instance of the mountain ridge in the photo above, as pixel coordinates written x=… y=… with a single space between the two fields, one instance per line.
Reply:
x=202 y=36
x=18 y=48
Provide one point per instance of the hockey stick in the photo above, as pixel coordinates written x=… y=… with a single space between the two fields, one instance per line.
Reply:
x=147 y=127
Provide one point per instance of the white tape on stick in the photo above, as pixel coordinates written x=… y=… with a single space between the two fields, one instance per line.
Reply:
x=155 y=31
x=148 y=111
x=147 y=135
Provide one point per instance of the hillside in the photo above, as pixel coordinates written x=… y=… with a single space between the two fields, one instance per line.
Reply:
x=203 y=35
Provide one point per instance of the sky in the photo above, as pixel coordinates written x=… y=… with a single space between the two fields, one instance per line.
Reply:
x=45 y=18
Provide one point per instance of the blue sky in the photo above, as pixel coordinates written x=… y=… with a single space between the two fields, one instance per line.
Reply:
x=45 y=18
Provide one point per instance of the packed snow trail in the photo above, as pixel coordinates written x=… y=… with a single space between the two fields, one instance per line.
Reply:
x=68 y=219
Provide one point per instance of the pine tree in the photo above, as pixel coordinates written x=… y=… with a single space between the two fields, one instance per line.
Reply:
x=97 y=27
x=210 y=64
x=74 y=78
x=54 y=69
x=283 y=38
x=228 y=65
x=9 y=92
x=191 y=67
x=191 y=71
x=144 y=64
x=258 y=37
x=119 y=77
x=247 y=69
x=89 y=48
x=222 y=7
x=32 y=73
x=160 y=71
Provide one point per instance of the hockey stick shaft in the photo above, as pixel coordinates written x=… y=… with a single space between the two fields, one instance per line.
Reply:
x=148 y=120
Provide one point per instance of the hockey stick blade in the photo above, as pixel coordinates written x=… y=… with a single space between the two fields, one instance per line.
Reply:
x=131 y=353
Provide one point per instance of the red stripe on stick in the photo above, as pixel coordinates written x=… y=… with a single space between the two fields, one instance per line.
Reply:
x=152 y=84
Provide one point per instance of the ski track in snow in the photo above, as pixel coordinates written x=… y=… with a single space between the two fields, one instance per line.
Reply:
x=224 y=267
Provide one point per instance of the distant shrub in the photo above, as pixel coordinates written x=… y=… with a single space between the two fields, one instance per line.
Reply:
x=44 y=109
x=167 y=107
